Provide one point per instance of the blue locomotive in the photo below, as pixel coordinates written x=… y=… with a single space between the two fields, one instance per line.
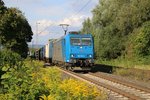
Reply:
x=72 y=50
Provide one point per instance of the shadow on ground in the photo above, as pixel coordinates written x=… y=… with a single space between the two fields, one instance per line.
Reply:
x=102 y=68
x=98 y=68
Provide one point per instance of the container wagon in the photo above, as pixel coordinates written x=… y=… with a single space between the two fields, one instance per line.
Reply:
x=49 y=51
x=42 y=53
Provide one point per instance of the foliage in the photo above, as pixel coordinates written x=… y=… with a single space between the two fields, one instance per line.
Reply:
x=27 y=80
x=2 y=8
x=15 y=30
x=141 y=42
x=71 y=89
x=8 y=61
x=19 y=82
x=120 y=29
x=51 y=78
x=9 y=58
x=78 y=90
x=87 y=26
x=138 y=63
x=141 y=75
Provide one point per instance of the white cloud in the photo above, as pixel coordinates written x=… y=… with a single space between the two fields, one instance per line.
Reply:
x=45 y=25
x=42 y=26
x=73 y=21
x=51 y=13
x=23 y=1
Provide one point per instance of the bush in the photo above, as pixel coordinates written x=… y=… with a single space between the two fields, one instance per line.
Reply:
x=21 y=84
x=77 y=90
x=7 y=57
x=27 y=80
x=8 y=61
x=68 y=89
x=141 y=42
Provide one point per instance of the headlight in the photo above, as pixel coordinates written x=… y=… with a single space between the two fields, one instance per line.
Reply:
x=72 y=55
x=90 y=56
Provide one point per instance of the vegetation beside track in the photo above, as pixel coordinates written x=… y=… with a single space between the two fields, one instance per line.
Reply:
x=133 y=74
x=127 y=63
x=121 y=30
x=142 y=75
x=28 y=80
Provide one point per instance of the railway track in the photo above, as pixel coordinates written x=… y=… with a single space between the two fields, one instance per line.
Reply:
x=122 y=82
x=116 y=89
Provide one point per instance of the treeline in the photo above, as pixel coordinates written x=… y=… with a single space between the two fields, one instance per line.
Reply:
x=121 y=29
x=15 y=30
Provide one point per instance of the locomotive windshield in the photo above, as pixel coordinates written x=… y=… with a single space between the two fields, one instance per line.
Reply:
x=75 y=41
x=81 y=41
x=86 y=41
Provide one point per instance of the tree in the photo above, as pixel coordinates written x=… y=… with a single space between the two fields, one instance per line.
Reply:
x=87 y=26
x=114 y=22
x=2 y=8
x=107 y=35
x=139 y=42
x=15 y=30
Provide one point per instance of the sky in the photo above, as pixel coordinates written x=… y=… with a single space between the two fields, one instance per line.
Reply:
x=45 y=16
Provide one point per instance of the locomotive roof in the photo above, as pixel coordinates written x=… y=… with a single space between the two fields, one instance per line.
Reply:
x=79 y=35
x=89 y=35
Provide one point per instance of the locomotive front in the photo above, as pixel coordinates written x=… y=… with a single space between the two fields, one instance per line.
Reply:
x=81 y=50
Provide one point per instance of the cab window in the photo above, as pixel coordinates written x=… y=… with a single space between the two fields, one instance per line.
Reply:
x=86 y=41
x=75 y=41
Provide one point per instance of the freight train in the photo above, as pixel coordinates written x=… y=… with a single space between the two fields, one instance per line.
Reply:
x=70 y=51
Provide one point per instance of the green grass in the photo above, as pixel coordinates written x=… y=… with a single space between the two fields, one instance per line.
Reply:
x=124 y=68
x=127 y=63
x=133 y=74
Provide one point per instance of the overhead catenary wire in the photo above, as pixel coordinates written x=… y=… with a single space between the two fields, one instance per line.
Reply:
x=46 y=28
x=71 y=20
x=84 y=6
x=75 y=14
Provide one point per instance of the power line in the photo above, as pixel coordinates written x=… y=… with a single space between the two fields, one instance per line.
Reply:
x=69 y=18
x=86 y=4
x=83 y=7
x=46 y=28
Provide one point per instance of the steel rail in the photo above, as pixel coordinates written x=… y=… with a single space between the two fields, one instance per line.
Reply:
x=119 y=91
x=123 y=82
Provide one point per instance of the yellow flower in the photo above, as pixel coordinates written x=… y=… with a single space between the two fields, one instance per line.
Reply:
x=33 y=74
x=50 y=97
x=78 y=89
